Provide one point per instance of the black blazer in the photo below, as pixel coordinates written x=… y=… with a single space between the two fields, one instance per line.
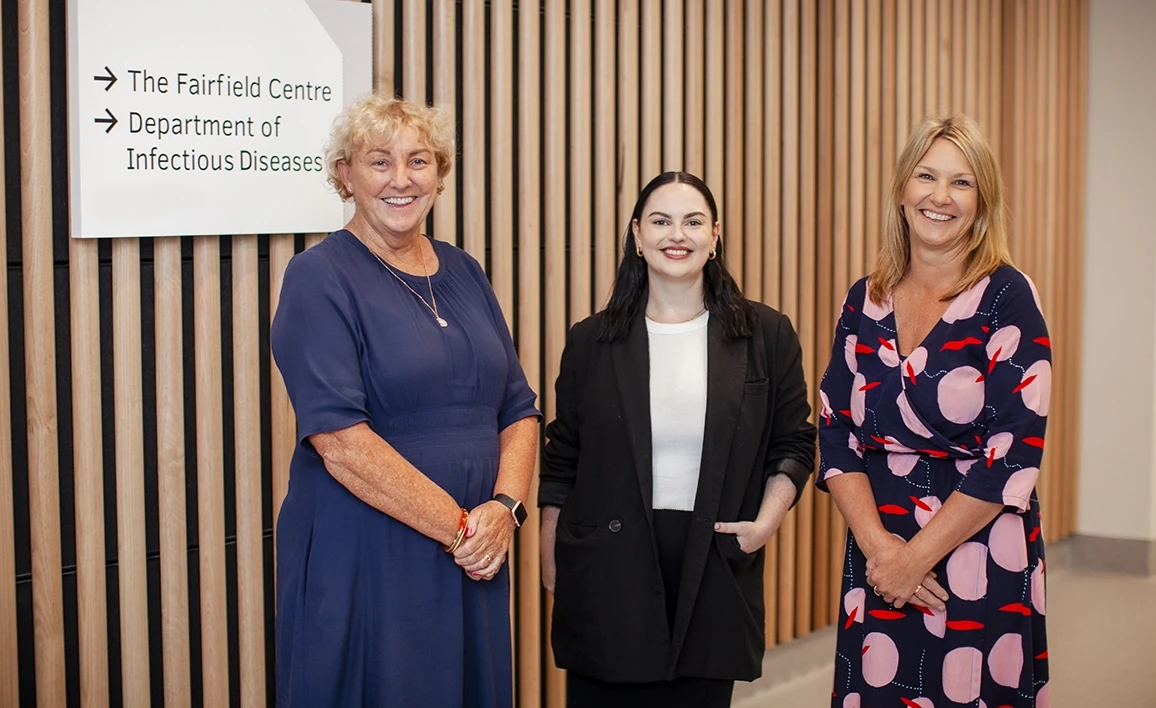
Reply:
x=610 y=619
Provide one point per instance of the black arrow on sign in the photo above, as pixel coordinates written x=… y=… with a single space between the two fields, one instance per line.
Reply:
x=111 y=78
x=111 y=120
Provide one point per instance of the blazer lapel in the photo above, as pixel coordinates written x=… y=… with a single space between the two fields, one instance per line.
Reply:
x=632 y=369
x=726 y=379
x=726 y=374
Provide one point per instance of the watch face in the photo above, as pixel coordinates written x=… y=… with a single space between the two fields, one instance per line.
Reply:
x=517 y=508
x=519 y=513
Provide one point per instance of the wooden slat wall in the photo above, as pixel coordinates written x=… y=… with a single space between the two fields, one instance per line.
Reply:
x=793 y=111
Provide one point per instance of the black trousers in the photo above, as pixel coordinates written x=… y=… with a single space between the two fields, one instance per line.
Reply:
x=670 y=530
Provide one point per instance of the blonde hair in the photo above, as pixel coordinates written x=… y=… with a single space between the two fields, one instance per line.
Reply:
x=381 y=117
x=987 y=247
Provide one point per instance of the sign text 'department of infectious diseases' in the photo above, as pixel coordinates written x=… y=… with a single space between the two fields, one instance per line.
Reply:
x=190 y=117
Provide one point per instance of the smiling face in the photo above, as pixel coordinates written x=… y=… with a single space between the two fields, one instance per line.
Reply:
x=393 y=183
x=941 y=200
x=676 y=233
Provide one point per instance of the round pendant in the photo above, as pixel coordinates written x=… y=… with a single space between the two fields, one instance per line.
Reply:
x=443 y=323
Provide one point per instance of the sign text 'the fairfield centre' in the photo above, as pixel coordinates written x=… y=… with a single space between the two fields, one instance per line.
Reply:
x=220 y=86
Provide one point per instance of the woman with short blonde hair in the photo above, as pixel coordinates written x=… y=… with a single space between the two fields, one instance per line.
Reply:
x=417 y=437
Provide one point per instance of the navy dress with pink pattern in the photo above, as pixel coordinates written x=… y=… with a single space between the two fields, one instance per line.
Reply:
x=965 y=413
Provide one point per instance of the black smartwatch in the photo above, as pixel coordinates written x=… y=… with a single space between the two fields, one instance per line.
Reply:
x=517 y=508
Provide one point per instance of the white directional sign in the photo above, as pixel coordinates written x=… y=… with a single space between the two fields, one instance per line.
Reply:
x=192 y=117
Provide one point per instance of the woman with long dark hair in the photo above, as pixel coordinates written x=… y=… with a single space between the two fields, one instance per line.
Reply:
x=681 y=441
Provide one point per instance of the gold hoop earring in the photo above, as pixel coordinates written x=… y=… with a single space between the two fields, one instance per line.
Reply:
x=713 y=253
x=638 y=250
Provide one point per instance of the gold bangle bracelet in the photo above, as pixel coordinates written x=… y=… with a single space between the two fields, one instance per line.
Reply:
x=465 y=520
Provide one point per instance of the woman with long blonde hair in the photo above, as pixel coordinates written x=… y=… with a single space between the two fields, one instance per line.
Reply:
x=932 y=429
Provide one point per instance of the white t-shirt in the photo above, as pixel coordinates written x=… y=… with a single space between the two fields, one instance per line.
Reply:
x=677 y=409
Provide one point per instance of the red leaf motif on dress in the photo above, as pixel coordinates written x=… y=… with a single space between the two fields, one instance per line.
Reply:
x=893 y=509
x=909 y=703
x=873 y=384
x=861 y=348
x=1024 y=384
x=1044 y=655
x=939 y=454
x=921 y=504
x=1017 y=607
x=925 y=610
x=994 y=357
x=865 y=648
x=851 y=617
x=957 y=344
x=887 y=614
x=910 y=373
x=1034 y=442
x=1034 y=534
x=1044 y=341
x=964 y=625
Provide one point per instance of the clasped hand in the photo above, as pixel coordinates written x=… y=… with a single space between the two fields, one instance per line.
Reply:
x=894 y=573
x=488 y=535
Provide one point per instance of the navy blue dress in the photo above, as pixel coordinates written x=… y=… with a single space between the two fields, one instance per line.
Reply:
x=369 y=611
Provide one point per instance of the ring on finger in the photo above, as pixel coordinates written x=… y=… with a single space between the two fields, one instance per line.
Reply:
x=917 y=589
x=876 y=591
x=487 y=558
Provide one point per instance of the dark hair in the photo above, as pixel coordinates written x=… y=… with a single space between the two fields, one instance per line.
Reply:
x=721 y=294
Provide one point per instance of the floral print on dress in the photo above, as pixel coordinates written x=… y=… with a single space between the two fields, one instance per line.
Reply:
x=964 y=412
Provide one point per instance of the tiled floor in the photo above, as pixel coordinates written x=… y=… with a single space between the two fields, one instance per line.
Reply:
x=1101 y=646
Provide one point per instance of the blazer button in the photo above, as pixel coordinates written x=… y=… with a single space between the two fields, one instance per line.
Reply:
x=615 y=526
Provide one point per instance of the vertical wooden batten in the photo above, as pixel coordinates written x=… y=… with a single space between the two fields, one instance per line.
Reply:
x=40 y=352
x=605 y=173
x=130 y=497
x=247 y=454
x=473 y=147
x=581 y=159
x=210 y=469
x=88 y=472
x=90 y=570
x=281 y=420
x=171 y=496
x=445 y=214
x=528 y=332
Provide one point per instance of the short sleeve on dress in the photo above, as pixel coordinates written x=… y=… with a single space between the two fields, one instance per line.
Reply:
x=1017 y=387
x=314 y=338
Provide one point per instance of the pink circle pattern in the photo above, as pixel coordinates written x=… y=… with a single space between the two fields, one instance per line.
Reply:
x=965 y=412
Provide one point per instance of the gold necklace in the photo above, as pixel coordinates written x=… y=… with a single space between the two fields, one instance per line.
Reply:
x=434 y=308
x=688 y=319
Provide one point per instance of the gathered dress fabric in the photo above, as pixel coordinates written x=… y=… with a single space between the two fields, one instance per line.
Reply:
x=962 y=413
x=369 y=611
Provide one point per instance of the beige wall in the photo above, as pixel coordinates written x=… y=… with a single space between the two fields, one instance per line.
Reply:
x=1117 y=487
